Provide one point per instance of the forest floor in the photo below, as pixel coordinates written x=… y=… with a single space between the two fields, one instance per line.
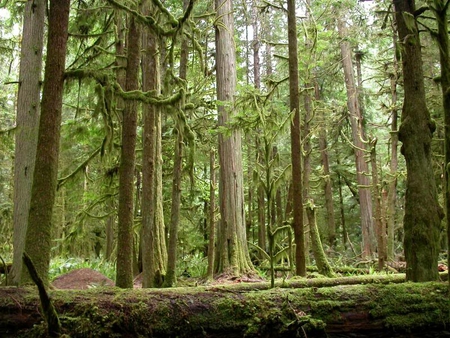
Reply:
x=86 y=278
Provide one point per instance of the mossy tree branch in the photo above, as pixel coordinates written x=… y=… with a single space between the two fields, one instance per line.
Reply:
x=51 y=316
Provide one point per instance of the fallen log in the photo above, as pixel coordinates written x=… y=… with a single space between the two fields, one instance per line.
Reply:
x=376 y=310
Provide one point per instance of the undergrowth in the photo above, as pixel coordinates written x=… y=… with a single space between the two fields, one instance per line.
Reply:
x=61 y=265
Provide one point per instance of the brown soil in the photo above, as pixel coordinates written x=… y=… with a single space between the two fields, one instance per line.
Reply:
x=81 y=279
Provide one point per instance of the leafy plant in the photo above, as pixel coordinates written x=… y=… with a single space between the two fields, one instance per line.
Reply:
x=59 y=266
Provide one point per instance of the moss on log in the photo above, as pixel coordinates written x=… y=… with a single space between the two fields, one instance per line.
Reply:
x=228 y=312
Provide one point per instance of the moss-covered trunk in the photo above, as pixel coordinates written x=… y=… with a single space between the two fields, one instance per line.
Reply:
x=124 y=273
x=38 y=235
x=228 y=312
x=422 y=221
x=295 y=131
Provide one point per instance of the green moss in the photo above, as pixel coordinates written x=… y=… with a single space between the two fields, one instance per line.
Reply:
x=188 y=312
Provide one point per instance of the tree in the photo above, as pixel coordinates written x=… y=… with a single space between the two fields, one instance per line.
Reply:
x=392 y=193
x=296 y=149
x=358 y=138
x=211 y=214
x=38 y=235
x=440 y=9
x=124 y=272
x=308 y=102
x=233 y=257
x=27 y=122
x=423 y=213
x=177 y=170
x=150 y=81
x=327 y=185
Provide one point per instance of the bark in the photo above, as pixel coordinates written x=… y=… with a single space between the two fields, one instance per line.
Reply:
x=27 y=122
x=262 y=242
x=211 y=215
x=440 y=9
x=341 y=209
x=380 y=225
x=327 y=184
x=392 y=193
x=160 y=228
x=358 y=138
x=109 y=233
x=125 y=252
x=234 y=257
x=170 y=279
x=296 y=149
x=256 y=46
x=150 y=81
x=227 y=312
x=316 y=243
x=259 y=157
x=152 y=259
x=38 y=235
x=322 y=263
x=423 y=214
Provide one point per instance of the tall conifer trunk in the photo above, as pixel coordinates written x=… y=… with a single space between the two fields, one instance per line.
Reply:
x=358 y=138
x=296 y=149
x=393 y=165
x=27 y=122
x=170 y=279
x=422 y=221
x=43 y=192
x=233 y=254
x=440 y=9
x=125 y=252
x=150 y=81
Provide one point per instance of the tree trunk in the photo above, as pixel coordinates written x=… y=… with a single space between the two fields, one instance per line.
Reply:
x=154 y=241
x=38 y=235
x=341 y=209
x=212 y=214
x=170 y=279
x=160 y=227
x=422 y=220
x=358 y=137
x=440 y=9
x=392 y=193
x=316 y=243
x=380 y=224
x=150 y=81
x=234 y=257
x=322 y=263
x=27 y=123
x=327 y=185
x=125 y=252
x=296 y=150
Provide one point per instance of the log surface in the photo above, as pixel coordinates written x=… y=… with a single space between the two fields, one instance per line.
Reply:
x=367 y=310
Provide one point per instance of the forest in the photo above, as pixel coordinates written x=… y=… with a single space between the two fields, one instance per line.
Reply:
x=286 y=162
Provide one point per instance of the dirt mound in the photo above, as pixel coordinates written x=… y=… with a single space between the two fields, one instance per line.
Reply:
x=81 y=279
